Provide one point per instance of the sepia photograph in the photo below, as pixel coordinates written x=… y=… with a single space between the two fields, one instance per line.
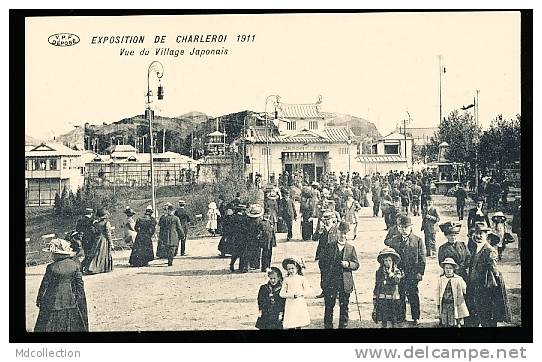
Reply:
x=275 y=171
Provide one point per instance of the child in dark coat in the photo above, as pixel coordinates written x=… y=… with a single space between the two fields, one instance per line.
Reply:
x=386 y=298
x=270 y=303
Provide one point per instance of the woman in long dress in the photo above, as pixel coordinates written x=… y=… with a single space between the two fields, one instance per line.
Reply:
x=61 y=296
x=101 y=261
x=161 y=249
x=142 y=252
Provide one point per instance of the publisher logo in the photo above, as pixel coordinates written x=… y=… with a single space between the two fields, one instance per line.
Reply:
x=63 y=39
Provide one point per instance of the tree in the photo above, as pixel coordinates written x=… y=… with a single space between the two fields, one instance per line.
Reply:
x=500 y=145
x=461 y=133
x=58 y=207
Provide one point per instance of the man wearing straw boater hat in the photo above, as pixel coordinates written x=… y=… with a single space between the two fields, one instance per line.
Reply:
x=339 y=259
x=457 y=250
x=411 y=249
x=84 y=226
x=184 y=217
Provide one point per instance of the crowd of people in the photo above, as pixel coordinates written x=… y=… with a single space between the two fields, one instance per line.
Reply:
x=328 y=213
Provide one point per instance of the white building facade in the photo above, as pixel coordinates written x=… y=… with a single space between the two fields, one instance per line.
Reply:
x=298 y=141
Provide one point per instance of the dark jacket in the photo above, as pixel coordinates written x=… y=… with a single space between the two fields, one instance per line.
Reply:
x=430 y=219
x=325 y=237
x=271 y=304
x=171 y=230
x=459 y=253
x=60 y=286
x=183 y=216
x=412 y=255
x=481 y=263
x=145 y=227
x=288 y=209
x=473 y=218
x=329 y=280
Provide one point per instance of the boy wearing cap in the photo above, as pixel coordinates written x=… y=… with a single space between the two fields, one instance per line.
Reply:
x=411 y=249
x=457 y=250
x=338 y=260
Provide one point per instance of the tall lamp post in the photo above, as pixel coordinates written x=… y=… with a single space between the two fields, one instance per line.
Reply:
x=267 y=134
x=157 y=68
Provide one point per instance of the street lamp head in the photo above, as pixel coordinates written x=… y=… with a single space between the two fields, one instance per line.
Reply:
x=160 y=92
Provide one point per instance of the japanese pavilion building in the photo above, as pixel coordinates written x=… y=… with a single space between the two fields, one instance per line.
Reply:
x=297 y=139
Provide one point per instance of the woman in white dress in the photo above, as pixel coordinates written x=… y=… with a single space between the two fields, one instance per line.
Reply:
x=294 y=289
x=212 y=218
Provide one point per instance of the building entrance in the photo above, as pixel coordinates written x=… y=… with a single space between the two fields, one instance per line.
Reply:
x=311 y=164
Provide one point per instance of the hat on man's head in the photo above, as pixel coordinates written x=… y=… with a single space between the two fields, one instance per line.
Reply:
x=498 y=216
x=128 y=211
x=102 y=212
x=344 y=227
x=88 y=211
x=388 y=252
x=404 y=221
x=449 y=261
x=315 y=183
x=480 y=198
x=481 y=226
x=450 y=227
x=149 y=210
x=255 y=210
x=182 y=203
x=272 y=195
x=170 y=207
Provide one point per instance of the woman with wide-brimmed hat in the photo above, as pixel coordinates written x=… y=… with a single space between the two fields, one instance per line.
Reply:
x=61 y=296
x=255 y=238
x=142 y=252
x=386 y=298
x=101 y=260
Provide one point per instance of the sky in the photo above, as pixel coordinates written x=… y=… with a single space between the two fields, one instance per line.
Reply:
x=375 y=66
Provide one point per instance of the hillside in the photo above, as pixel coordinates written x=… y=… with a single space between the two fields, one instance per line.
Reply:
x=31 y=141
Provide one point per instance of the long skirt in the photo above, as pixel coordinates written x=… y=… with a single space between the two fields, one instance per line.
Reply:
x=226 y=245
x=142 y=251
x=102 y=261
x=64 y=320
x=296 y=313
x=162 y=250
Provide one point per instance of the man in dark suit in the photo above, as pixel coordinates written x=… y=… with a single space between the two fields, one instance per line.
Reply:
x=460 y=197
x=481 y=283
x=288 y=213
x=339 y=260
x=170 y=226
x=183 y=216
x=477 y=214
x=411 y=248
x=429 y=220
x=85 y=226
x=457 y=250
x=326 y=234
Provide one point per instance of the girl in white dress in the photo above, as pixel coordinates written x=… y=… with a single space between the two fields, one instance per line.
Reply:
x=295 y=288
